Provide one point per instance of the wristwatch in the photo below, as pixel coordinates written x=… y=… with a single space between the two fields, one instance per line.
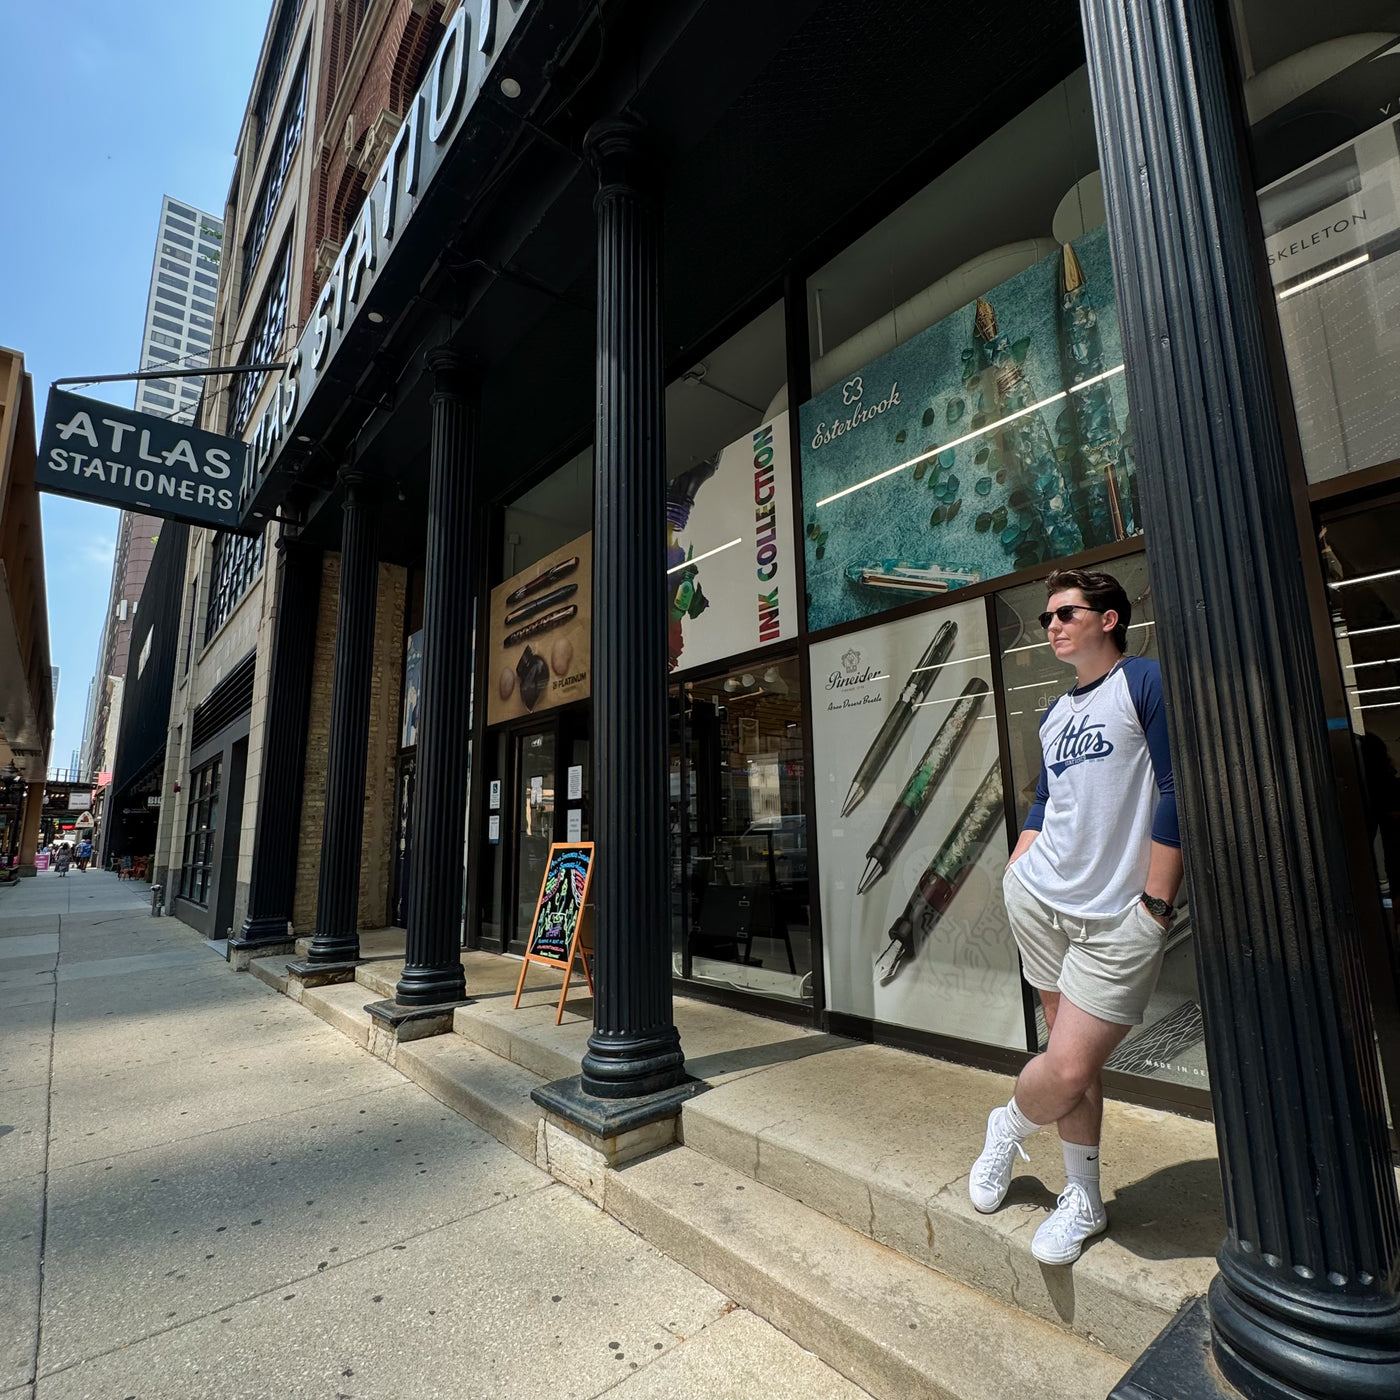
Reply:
x=1162 y=908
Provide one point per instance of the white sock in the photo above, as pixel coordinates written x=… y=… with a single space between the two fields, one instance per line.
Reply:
x=1021 y=1126
x=1082 y=1168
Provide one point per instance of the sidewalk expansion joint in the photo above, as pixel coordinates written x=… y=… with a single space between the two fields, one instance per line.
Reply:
x=726 y=1307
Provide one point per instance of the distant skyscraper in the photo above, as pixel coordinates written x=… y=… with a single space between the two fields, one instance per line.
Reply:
x=180 y=308
x=179 y=326
x=54 y=677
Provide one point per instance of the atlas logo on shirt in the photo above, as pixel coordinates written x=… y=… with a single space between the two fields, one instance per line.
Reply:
x=1077 y=743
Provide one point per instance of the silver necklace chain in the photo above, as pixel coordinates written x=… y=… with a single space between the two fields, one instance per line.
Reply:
x=1103 y=681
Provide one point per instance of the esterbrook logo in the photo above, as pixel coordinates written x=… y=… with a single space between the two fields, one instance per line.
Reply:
x=1078 y=743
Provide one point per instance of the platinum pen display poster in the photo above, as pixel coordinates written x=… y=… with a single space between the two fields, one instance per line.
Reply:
x=541 y=634
x=730 y=578
x=911 y=828
x=996 y=439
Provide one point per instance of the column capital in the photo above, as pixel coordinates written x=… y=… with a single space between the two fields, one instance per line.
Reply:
x=454 y=375
x=357 y=484
x=623 y=156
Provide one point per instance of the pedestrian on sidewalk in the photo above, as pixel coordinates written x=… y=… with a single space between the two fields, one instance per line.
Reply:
x=84 y=853
x=1089 y=890
x=61 y=858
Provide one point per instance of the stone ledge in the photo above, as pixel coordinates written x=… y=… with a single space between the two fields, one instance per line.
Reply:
x=895 y=1328
x=340 y=1005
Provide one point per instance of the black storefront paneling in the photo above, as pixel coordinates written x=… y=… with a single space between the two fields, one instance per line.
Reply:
x=230 y=698
x=220 y=729
x=146 y=701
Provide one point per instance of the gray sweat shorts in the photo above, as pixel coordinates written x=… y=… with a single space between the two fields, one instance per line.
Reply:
x=1107 y=967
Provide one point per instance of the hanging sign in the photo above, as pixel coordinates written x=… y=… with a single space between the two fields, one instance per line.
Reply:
x=561 y=935
x=139 y=462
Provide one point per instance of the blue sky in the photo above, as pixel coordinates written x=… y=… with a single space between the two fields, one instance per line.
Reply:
x=105 y=107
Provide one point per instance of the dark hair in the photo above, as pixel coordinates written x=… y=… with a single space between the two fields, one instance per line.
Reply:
x=1101 y=591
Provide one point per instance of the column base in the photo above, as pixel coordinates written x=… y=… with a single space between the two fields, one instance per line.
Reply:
x=334 y=948
x=569 y=1101
x=1276 y=1340
x=633 y=1066
x=242 y=951
x=431 y=986
x=392 y=1024
x=582 y=1138
x=1179 y=1364
x=303 y=973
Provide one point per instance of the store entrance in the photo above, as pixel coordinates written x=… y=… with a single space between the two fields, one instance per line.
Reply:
x=545 y=796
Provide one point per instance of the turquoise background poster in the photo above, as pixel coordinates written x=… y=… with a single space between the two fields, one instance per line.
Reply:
x=998 y=438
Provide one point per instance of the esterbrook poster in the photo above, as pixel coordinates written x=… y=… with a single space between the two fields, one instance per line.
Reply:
x=911 y=828
x=996 y=439
x=729 y=550
x=541 y=634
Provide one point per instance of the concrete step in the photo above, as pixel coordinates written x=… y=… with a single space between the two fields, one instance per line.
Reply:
x=492 y=1092
x=379 y=978
x=901 y=1331
x=883 y=1142
x=273 y=971
x=342 y=1005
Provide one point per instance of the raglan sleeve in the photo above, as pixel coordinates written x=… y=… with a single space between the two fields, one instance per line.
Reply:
x=1035 y=818
x=1145 y=684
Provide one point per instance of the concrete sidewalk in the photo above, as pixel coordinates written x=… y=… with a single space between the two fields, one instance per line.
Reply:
x=207 y=1191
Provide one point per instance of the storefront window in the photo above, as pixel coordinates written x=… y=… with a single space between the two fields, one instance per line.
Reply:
x=1320 y=86
x=548 y=516
x=1361 y=552
x=201 y=826
x=912 y=828
x=739 y=832
x=1169 y=1045
x=730 y=566
x=970 y=416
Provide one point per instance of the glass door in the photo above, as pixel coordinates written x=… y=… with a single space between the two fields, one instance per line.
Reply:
x=534 y=797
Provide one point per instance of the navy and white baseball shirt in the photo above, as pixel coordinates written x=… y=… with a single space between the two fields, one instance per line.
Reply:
x=1105 y=794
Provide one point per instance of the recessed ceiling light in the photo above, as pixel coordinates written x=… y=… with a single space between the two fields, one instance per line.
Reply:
x=510 y=88
x=302 y=437
x=375 y=316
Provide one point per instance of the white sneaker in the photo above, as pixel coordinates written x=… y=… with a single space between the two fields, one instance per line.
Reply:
x=991 y=1172
x=1074 y=1220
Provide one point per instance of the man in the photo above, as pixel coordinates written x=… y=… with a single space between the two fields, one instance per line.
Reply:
x=1089 y=891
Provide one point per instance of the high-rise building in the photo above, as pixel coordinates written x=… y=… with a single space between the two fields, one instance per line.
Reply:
x=179 y=309
x=176 y=335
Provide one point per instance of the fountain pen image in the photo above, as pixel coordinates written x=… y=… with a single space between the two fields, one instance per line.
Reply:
x=914 y=693
x=944 y=875
x=923 y=782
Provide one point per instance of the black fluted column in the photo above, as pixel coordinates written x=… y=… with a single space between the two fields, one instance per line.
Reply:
x=433 y=967
x=338 y=900
x=1305 y=1301
x=634 y=1049
x=272 y=887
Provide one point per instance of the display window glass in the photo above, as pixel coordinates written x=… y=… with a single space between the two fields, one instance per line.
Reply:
x=1361 y=555
x=970 y=414
x=1320 y=85
x=911 y=827
x=730 y=567
x=1169 y=1045
x=741 y=915
x=547 y=516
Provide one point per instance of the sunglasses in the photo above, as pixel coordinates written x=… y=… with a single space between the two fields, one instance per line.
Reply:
x=1065 y=612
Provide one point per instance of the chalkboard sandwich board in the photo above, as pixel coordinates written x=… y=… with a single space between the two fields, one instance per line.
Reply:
x=562 y=932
